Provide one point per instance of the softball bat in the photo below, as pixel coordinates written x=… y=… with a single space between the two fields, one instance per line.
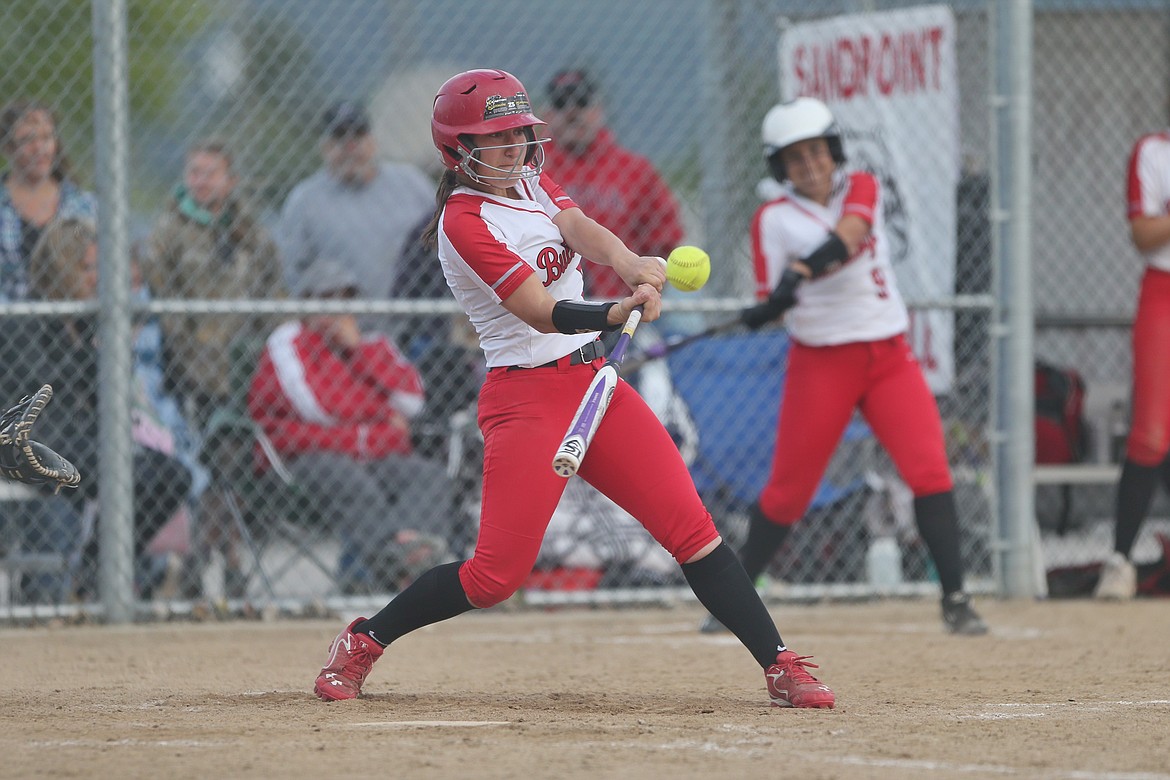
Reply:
x=593 y=404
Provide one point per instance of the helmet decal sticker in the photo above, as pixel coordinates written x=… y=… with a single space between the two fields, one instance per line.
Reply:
x=498 y=105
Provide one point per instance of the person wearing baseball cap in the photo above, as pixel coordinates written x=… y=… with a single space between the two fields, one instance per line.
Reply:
x=617 y=187
x=357 y=206
x=346 y=118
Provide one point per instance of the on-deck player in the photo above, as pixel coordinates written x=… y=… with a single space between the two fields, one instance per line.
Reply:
x=1148 y=191
x=821 y=255
x=510 y=243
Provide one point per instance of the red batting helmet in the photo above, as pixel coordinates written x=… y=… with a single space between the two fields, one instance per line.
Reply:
x=476 y=102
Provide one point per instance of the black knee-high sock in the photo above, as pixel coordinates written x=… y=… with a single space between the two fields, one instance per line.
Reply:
x=724 y=588
x=763 y=540
x=1165 y=473
x=938 y=525
x=436 y=595
x=1135 y=490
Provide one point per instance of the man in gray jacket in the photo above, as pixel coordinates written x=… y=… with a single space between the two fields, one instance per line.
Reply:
x=357 y=206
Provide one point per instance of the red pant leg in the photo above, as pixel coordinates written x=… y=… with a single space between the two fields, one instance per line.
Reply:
x=523 y=415
x=902 y=412
x=634 y=462
x=1149 y=434
x=821 y=389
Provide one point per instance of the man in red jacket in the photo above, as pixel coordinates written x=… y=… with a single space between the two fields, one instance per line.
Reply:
x=618 y=188
x=337 y=405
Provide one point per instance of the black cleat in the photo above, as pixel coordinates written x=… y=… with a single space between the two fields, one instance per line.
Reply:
x=960 y=617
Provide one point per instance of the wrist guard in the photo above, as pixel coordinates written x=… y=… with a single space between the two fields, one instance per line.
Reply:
x=574 y=317
x=779 y=301
x=827 y=257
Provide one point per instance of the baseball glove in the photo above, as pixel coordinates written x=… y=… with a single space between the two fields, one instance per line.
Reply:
x=30 y=461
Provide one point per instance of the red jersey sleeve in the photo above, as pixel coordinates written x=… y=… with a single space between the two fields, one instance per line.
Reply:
x=1137 y=170
x=490 y=258
x=550 y=195
x=861 y=197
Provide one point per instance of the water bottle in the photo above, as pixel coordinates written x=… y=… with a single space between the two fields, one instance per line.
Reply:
x=883 y=562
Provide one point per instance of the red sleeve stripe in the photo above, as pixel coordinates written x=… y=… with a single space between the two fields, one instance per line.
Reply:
x=555 y=193
x=512 y=278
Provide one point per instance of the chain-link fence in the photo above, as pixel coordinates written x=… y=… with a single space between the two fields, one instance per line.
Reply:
x=281 y=172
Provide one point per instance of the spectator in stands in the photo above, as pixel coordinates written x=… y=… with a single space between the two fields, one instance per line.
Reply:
x=64 y=267
x=615 y=186
x=35 y=189
x=356 y=207
x=1148 y=443
x=338 y=404
x=209 y=244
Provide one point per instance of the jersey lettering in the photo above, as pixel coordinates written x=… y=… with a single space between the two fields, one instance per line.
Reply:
x=553 y=263
x=879 y=279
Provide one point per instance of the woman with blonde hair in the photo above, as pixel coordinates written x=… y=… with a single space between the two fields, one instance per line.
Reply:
x=64 y=266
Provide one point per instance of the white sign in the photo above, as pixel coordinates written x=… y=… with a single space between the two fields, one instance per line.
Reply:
x=890 y=81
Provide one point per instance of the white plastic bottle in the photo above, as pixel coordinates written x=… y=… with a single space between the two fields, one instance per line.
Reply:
x=883 y=562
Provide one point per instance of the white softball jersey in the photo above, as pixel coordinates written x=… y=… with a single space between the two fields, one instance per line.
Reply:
x=1148 y=188
x=858 y=302
x=488 y=245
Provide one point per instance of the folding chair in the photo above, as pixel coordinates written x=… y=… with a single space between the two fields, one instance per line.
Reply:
x=262 y=507
x=15 y=561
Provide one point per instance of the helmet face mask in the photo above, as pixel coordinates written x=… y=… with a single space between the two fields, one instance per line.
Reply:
x=526 y=167
x=798 y=120
x=479 y=102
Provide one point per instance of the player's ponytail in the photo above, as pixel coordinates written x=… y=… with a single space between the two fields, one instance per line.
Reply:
x=447 y=185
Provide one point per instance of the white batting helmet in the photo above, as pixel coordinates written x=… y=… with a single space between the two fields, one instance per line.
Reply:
x=798 y=120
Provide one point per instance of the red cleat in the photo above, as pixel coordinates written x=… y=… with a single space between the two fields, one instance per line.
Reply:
x=790 y=685
x=351 y=656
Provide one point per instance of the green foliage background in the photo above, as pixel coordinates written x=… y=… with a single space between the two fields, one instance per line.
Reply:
x=46 y=47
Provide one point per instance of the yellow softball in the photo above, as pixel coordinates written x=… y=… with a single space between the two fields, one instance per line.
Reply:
x=688 y=268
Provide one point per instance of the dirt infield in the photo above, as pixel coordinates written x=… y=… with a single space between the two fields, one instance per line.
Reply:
x=1059 y=690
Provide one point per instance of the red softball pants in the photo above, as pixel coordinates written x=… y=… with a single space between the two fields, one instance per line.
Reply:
x=523 y=415
x=1149 y=433
x=822 y=388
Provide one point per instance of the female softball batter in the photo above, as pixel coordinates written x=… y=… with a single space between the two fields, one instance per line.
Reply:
x=821 y=255
x=510 y=242
x=1148 y=191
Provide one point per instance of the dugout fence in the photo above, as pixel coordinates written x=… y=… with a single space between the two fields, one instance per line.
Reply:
x=1004 y=166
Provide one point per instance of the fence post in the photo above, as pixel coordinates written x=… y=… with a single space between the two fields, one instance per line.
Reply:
x=1011 y=48
x=114 y=320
